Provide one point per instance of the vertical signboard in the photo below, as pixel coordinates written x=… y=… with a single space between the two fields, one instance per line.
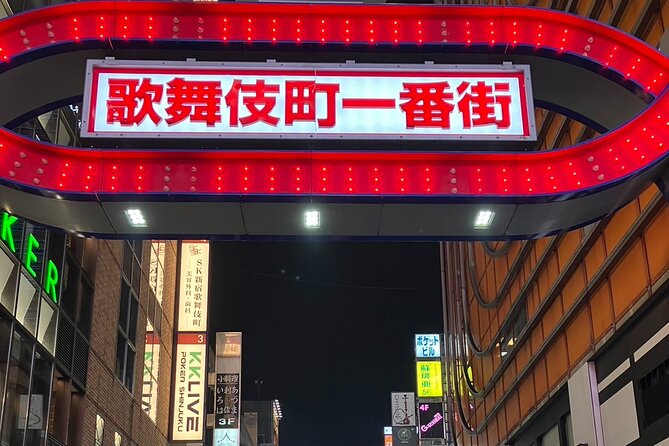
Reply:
x=190 y=373
x=431 y=416
x=193 y=286
x=227 y=404
x=428 y=346
x=188 y=420
x=403 y=408
x=429 y=380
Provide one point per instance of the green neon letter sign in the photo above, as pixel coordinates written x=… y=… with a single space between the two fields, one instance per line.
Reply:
x=7 y=234
x=51 y=281
x=30 y=255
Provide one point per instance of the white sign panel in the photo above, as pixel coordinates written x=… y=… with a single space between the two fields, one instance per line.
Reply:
x=188 y=422
x=403 y=408
x=193 y=286
x=226 y=437
x=428 y=346
x=304 y=101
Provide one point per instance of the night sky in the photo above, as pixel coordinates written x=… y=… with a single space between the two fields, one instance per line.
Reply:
x=328 y=327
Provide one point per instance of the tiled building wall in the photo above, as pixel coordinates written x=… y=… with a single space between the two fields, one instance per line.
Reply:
x=106 y=395
x=576 y=289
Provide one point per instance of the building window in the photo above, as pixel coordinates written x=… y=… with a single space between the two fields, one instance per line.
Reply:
x=654 y=392
x=127 y=322
x=118 y=440
x=38 y=411
x=16 y=395
x=99 y=430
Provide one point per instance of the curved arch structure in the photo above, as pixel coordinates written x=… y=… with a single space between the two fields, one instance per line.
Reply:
x=394 y=193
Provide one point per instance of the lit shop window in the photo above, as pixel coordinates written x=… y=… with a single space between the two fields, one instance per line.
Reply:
x=99 y=430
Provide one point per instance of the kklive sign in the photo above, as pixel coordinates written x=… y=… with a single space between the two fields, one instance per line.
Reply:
x=304 y=101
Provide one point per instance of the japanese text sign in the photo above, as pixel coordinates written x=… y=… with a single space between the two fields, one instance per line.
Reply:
x=428 y=346
x=193 y=286
x=227 y=401
x=189 y=387
x=431 y=417
x=304 y=101
x=429 y=380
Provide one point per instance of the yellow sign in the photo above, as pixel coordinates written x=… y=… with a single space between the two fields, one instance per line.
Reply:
x=428 y=377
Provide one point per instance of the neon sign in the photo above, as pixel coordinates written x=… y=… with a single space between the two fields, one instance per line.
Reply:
x=302 y=101
x=51 y=277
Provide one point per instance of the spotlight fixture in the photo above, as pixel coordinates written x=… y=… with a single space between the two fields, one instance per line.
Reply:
x=312 y=219
x=484 y=219
x=135 y=218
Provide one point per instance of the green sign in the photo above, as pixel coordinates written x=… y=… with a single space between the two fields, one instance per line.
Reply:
x=32 y=246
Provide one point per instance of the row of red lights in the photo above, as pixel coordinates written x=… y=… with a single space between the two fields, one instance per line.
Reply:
x=591 y=164
x=528 y=27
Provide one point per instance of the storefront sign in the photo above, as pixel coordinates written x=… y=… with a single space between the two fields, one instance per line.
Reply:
x=193 y=286
x=227 y=402
x=428 y=346
x=431 y=420
x=226 y=437
x=388 y=440
x=403 y=408
x=304 y=101
x=429 y=379
x=189 y=387
x=405 y=436
x=31 y=250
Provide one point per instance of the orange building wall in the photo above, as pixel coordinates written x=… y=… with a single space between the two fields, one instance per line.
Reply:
x=577 y=288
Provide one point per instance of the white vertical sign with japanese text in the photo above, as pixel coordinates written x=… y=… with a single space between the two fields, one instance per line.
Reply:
x=304 y=101
x=193 y=286
x=190 y=382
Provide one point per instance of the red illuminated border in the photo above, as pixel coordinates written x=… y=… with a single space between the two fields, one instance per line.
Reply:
x=594 y=164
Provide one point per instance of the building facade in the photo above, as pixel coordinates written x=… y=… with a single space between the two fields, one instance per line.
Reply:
x=563 y=340
x=86 y=342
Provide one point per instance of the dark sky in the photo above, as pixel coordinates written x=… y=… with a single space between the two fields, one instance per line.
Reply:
x=328 y=327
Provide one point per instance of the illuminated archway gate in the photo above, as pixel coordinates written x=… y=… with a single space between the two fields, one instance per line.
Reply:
x=595 y=73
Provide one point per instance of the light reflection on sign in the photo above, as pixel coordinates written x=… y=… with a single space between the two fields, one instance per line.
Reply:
x=305 y=101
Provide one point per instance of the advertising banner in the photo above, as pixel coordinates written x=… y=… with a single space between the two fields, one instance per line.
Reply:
x=428 y=346
x=431 y=417
x=193 y=286
x=403 y=408
x=388 y=440
x=188 y=421
x=405 y=436
x=429 y=379
x=306 y=101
